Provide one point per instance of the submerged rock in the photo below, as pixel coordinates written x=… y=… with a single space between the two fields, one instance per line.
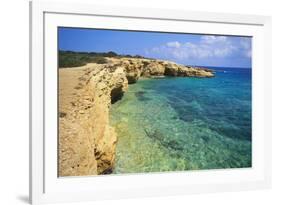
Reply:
x=141 y=96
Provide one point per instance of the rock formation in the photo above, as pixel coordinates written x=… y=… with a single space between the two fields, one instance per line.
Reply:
x=86 y=141
x=137 y=67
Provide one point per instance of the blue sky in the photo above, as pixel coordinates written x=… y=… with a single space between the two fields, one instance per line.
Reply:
x=188 y=49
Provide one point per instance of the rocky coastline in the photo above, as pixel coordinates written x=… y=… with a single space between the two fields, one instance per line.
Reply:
x=87 y=142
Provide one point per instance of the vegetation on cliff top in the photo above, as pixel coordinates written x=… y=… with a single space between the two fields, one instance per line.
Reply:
x=75 y=59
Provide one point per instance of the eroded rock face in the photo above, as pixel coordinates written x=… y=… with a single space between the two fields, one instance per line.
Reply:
x=86 y=140
x=171 y=69
x=131 y=68
x=153 y=69
x=139 y=67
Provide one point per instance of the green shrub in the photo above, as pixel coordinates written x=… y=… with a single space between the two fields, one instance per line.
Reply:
x=75 y=59
x=98 y=60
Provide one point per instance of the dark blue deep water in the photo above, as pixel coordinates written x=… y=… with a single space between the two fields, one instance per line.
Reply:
x=177 y=123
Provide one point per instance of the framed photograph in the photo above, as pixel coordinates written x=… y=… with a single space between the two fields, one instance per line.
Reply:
x=129 y=102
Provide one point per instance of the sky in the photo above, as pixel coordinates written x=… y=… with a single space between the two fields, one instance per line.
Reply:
x=187 y=49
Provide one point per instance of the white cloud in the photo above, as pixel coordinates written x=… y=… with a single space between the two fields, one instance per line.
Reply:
x=245 y=43
x=207 y=47
x=174 y=44
x=213 y=39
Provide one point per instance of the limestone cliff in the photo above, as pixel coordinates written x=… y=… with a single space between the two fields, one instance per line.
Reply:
x=86 y=141
x=137 y=67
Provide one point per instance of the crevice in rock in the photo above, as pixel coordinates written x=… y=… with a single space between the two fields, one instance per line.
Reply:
x=116 y=94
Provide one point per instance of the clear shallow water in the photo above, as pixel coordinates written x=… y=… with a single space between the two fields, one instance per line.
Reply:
x=175 y=124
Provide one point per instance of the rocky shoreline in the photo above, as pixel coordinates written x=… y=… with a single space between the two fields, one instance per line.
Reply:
x=87 y=142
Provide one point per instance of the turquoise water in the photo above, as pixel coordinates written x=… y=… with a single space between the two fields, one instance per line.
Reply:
x=175 y=123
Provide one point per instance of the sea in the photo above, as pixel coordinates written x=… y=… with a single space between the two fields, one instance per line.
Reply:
x=185 y=123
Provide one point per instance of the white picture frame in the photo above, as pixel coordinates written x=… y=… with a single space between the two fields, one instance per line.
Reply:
x=46 y=187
